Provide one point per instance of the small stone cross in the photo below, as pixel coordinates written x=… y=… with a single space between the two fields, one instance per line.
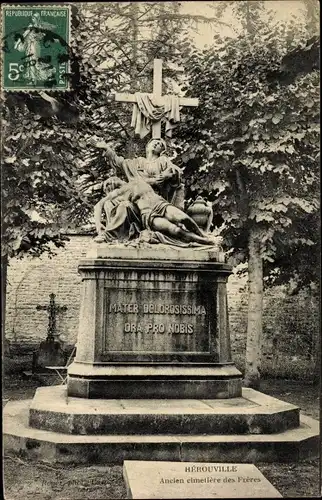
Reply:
x=52 y=309
x=158 y=98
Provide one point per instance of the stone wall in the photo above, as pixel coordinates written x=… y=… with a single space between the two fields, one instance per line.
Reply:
x=31 y=280
x=291 y=324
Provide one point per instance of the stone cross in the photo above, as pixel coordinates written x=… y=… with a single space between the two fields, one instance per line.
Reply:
x=52 y=309
x=157 y=96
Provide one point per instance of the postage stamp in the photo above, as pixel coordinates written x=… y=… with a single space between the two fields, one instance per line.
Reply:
x=35 y=47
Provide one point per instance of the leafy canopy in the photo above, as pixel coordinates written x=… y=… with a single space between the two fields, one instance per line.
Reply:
x=253 y=143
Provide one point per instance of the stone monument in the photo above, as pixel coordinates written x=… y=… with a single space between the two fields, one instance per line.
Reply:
x=153 y=321
x=153 y=377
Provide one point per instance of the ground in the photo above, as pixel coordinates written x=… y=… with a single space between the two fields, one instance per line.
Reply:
x=24 y=479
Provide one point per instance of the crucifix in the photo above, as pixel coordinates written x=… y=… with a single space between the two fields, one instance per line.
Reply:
x=158 y=98
x=52 y=309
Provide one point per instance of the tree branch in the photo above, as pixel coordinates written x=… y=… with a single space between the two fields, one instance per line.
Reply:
x=189 y=17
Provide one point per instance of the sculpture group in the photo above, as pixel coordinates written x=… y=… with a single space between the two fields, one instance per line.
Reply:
x=150 y=204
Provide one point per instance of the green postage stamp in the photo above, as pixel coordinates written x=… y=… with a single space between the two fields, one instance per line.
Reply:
x=35 y=47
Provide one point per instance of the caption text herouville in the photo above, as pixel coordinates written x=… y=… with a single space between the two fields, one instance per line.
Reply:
x=233 y=478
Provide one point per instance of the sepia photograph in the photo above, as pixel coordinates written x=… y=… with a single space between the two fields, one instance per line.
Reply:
x=160 y=249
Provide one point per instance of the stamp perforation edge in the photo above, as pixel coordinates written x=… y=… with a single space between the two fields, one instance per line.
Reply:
x=48 y=90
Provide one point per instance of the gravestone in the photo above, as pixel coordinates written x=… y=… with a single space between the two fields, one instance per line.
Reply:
x=50 y=351
x=157 y=480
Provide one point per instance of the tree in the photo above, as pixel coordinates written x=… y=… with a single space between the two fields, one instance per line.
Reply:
x=46 y=159
x=250 y=14
x=118 y=42
x=49 y=152
x=39 y=167
x=254 y=141
x=38 y=172
x=311 y=12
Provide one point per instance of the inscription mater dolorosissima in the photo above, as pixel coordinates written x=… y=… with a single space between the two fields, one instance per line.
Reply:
x=157 y=308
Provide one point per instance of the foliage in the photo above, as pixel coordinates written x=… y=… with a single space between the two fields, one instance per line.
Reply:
x=50 y=170
x=119 y=43
x=254 y=141
x=50 y=177
x=293 y=324
x=39 y=168
x=47 y=161
x=311 y=12
x=37 y=175
x=256 y=145
x=299 y=267
x=250 y=14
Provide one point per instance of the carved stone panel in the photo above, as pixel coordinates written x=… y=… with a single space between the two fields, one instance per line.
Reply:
x=156 y=321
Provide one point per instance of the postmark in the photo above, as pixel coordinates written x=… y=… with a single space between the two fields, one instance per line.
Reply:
x=35 y=47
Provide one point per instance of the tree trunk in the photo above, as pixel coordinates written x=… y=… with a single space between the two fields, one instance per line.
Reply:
x=255 y=312
x=135 y=10
x=249 y=26
x=4 y=268
x=317 y=373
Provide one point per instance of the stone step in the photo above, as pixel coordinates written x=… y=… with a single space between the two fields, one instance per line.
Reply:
x=254 y=413
x=288 y=446
x=170 y=376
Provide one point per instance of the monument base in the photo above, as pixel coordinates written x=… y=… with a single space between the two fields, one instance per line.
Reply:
x=253 y=428
x=153 y=324
x=153 y=377
x=154 y=381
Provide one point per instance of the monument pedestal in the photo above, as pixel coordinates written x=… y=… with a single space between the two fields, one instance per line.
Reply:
x=153 y=377
x=153 y=324
x=252 y=429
